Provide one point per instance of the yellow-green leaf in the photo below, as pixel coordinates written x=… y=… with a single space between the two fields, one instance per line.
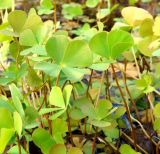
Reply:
x=134 y=15
x=75 y=150
x=5 y=136
x=17 y=123
x=156 y=26
x=56 y=97
x=156 y=110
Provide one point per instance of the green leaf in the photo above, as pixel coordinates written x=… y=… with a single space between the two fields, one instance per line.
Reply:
x=86 y=107
x=145 y=83
x=43 y=140
x=17 y=123
x=36 y=49
x=56 y=97
x=74 y=74
x=76 y=114
x=57 y=114
x=59 y=127
x=48 y=68
x=67 y=53
x=56 y=47
x=71 y=10
x=100 y=66
x=156 y=53
x=92 y=3
x=13 y=49
x=31 y=116
x=119 y=112
x=20 y=21
x=156 y=124
x=102 y=109
x=46 y=7
x=32 y=21
x=5 y=4
x=6 y=120
x=111 y=44
x=14 y=150
x=16 y=97
x=126 y=147
x=112 y=133
x=4 y=103
x=5 y=136
x=134 y=15
x=103 y=13
x=58 y=149
x=67 y=93
x=41 y=33
x=17 y=19
x=48 y=110
x=58 y=137
x=47 y=3
x=27 y=38
x=101 y=123
x=75 y=50
x=75 y=150
x=121 y=26
x=156 y=110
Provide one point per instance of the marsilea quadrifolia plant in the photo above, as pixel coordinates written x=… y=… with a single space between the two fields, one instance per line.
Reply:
x=49 y=94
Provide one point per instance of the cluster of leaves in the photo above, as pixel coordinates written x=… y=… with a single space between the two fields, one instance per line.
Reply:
x=49 y=99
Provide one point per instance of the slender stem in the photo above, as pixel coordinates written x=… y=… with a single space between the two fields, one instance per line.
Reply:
x=151 y=108
x=13 y=5
x=2 y=17
x=144 y=131
x=2 y=66
x=157 y=92
x=94 y=141
x=116 y=66
x=3 y=91
x=100 y=88
x=34 y=100
x=127 y=90
x=69 y=128
x=47 y=117
x=136 y=62
x=19 y=145
x=109 y=4
x=107 y=85
x=126 y=105
x=89 y=83
x=58 y=78
x=128 y=138
x=73 y=93
x=157 y=148
x=151 y=63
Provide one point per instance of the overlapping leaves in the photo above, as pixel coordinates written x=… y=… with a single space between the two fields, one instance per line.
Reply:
x=70 y=56
x=111 y=44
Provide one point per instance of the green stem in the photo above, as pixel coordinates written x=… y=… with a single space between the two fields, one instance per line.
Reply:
x=100 y=88
x=136 y=62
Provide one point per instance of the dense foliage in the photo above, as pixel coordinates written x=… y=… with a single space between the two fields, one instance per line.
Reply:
x=87 y=91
